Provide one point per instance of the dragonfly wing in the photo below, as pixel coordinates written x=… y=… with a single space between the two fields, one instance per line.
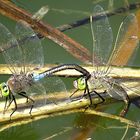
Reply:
x=126 y=42
x=30 y=44
x=118 y=92
x=102 y=37
x=37 y=92
x=55 y=90
x=10 y=49
x=133 y=88
x=115 y=90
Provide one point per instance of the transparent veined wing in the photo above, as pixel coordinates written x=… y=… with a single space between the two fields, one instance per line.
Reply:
x=133 y=89
x=126 y=42
x=114 y=89
x=41 y=13
x=37 y=92
x=31 y=95
x=55 y=90
x=112 y=86
x=10 y=49
x=48 y=90
x=120 y=89
x=117 y=91
x=32 y=52
x=102 y=37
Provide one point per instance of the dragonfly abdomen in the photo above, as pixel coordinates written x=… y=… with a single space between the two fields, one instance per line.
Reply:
x=37 y=77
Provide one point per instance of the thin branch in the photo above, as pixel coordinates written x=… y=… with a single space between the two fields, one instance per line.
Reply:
x=84 y=21
x=63 y=108
x=116 y=72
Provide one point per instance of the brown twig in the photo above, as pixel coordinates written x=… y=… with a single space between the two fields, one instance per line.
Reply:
x=77 y=50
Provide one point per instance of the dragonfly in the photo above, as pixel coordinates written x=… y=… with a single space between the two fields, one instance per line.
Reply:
x=23 y=60
x=104 y=55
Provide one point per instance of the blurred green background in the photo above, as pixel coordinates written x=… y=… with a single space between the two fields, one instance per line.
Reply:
x=73 y=125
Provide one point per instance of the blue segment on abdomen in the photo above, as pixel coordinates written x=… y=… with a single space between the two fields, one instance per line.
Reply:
x=38 y=77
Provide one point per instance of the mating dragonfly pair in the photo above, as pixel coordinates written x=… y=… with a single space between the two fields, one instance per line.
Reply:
x=24 y=54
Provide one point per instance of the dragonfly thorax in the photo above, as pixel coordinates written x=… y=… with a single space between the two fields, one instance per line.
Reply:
x=18 y=83
x=96 y=80
x=98 y=74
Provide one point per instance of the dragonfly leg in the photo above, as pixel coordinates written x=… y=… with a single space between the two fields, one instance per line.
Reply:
x=15 y=106
x=126 y=107
x=5 y=105
x=100 y=97
x=73 y=93
x=24 y=93
x=84 y=93
x=90 y=98
x=28 y=98
x=10 y=101
x=89 y=95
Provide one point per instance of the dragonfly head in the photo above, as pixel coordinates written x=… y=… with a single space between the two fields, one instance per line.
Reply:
x=80 y=83
x=4 y=90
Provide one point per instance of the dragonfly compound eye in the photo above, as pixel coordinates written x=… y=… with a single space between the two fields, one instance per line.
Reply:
x=81 y=83
x=4 y=89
